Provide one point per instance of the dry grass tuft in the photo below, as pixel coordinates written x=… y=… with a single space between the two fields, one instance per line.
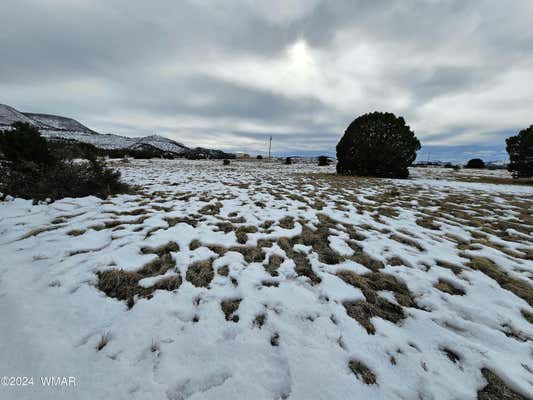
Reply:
x=496 y=389
x=374 y=305
x=448 y=287
x=229 y=307
x=519 y=287
x=274 y=262
x=287 y=222
x=200 y=273
x=195 y=244
x=223 y=271
x=362 y=372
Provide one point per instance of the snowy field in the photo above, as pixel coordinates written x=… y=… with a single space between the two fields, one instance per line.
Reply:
x=263 y=281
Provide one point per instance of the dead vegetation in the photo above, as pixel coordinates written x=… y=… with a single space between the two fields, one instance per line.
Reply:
x=448 y=287
x=200 y=273
x=519 y=287
x=362 y=372
x=374 y=305
x=124 y=285
x=496 y=389
x=229 y=307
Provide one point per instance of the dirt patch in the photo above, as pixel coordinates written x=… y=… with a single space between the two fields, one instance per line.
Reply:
x=201 y=273
x=496 y=389
x=229 y=307
x=448 y=287
x=362 y=372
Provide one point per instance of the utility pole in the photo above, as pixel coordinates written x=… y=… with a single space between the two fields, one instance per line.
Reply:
x=269 y=147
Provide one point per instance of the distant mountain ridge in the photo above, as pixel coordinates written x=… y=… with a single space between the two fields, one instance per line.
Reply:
x=59 y=128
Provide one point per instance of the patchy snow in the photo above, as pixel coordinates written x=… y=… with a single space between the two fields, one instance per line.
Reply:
x=290 y=336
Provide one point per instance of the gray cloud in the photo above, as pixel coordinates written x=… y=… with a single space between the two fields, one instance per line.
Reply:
x=229 y=73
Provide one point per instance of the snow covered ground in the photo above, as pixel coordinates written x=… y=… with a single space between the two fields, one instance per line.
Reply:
x=263 y=281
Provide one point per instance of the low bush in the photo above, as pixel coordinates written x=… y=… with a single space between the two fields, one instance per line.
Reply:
x=31 y=172
x=475 y=163
x=288 y=161
x=323 y=161
x=226 y=161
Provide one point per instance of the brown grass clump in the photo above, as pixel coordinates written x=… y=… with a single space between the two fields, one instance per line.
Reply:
x=407 y=241
x=274 y=261
x=361 y=257
x=166 y=248
x=200 y=273
x=124 y=285
x=223 y=271
x=362 y=372
x=251 y=253
x=195 y=244
x=374 y=305
x=182 y=220
x=428 y=223
x=287 y=222
x=519 y=287
x=456 y=269
x=242 y=233
x=527 y=315
x=229 y=307
x=211 y=209
x=448 y=287
x=303 y=266
x=496 y=389
x=76 y=232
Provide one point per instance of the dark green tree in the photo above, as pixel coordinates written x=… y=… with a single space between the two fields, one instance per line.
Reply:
x=475 y=163
x=520 y=149
x=23 y=143
x=323 y=161
x=377 y=144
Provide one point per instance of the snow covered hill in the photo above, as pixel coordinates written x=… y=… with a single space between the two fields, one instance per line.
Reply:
x=58 y=122
x=56 y=127
x=8 y=115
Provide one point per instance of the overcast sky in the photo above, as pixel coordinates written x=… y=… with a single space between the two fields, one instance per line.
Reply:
x=228 y=73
